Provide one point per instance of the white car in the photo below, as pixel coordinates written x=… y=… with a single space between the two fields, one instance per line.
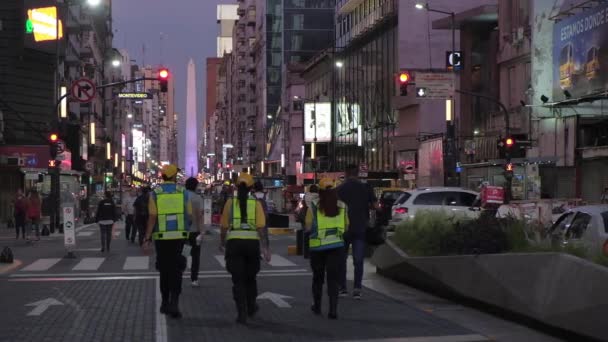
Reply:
x=448 y=199
x=582 y=226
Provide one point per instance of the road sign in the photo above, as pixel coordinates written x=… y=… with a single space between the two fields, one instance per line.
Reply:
x=408 y=176
x=88 y=166
x=453 y=60
x=69 y=232
x=434 y=85
x=135 y=96
x=363 y=169
x=83 y=90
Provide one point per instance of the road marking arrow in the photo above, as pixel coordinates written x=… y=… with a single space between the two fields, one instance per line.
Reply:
x=42 y=305
x=276 y=298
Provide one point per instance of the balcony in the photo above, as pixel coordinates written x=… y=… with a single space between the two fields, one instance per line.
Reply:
x=240 y=12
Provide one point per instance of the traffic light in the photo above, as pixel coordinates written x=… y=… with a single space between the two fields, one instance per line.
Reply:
x=509 y=143
x=53 y=142
x=403 y=80
x=228 y=166
x=108 y=179
x=509 y=167
x=163 y=78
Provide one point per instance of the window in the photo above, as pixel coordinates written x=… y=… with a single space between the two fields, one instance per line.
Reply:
x=391 y=195
x=298 y=22
x=578 y=226
x=562 y=223
x=403 y=198
x=429 y=198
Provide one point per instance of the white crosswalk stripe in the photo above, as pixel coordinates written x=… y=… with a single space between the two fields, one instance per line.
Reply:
x=89 y=264
x=279 y=261
x=220 y=259
x=85 y=234
x=136 y=263
x=41 y=265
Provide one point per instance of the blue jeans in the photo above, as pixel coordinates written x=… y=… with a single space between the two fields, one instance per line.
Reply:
x=358 y=257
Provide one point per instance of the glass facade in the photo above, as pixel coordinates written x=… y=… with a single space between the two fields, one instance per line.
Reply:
x=309 y=28
x=365 y=85
x=274 y=58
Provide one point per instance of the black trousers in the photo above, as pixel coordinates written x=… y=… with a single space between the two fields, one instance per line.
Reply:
x=196 y=255
x=130 y=229
x=105 y=231
x=322 y=262
x=20 y=224
x=243 y=263
x=171 y=264
x=141 y=224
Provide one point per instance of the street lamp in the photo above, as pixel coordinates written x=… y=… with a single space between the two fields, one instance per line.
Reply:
x=339 y=64
x=129 y=116
x=93 y=3
x=115 y=63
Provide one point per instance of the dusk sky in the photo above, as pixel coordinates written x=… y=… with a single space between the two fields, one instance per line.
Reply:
x=189 y=30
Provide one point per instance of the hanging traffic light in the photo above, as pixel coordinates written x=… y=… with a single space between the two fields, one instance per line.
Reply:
x=403 y=80
x=509 y=167
x=163 y=78
x=509 y=143
x=53 y=145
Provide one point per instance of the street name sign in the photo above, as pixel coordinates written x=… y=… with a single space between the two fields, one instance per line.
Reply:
x=83 y=90
x=135 y=96
x=434 y=85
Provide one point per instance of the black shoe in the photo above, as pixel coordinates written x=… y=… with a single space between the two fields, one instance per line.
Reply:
x=315 y=309
x=343 y=293
x=174 y=308
x=251 y=312
x=164 y=308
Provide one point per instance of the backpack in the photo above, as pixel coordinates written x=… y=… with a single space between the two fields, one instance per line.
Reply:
x=6 y=256
x=141 y=205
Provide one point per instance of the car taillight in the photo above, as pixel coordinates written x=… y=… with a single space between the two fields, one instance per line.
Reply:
x=605 y=248
x=401 y=211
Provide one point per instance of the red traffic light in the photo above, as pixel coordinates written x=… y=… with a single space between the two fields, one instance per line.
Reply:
x=509 y=167
x=404 y=77
x=53 y=137
x=163 y=74
x=509 y=142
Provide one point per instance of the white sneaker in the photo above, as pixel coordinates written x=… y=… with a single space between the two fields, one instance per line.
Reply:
x=195 y=283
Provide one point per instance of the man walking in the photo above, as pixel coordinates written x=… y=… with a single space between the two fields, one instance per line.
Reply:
x=129 y=211
x=194 y=209
x=166 y=225
x=141 y=213
x=358 y=197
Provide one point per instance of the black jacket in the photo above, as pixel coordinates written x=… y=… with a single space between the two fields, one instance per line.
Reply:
x=106 y=210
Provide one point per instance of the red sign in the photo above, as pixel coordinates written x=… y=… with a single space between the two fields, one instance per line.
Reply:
x=492 y=195
x=27 y=156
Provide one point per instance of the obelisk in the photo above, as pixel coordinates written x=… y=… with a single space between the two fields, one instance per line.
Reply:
x=191 y=147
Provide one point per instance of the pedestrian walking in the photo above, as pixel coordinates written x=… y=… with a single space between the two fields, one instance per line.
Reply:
x=260 y=195
x=106 y=217
x=327 y=221
x=141 y=213
x=359 y=198
x=34 y=212
x=128 y=210
x=167 y=227
x=194 y=209
x=242 y=228
x=19 y=213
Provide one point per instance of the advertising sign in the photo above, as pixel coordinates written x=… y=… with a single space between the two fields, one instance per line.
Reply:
x=347 y=118
x=430 y=163
x=42 y=25
x=317 y=121
x=69 y=228
x=580 y=53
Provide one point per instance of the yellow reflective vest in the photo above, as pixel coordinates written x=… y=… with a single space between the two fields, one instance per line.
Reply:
x=243 y=230
x=170 y=207
x=327 y=232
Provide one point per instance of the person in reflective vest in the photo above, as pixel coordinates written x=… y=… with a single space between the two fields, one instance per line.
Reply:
x=242 y=229
x=167 y=227
x=326 y=221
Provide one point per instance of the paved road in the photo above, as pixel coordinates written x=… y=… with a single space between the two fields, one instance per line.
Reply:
x=114 y=297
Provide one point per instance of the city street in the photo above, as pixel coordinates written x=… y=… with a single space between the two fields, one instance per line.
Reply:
x=113 y=297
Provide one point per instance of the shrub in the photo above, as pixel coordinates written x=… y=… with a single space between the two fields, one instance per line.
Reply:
x=423 y=235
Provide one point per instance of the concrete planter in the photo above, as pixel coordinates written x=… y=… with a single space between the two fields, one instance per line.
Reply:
x=556 y=289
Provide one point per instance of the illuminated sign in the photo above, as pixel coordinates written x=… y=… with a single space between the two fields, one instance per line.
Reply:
x=136 y=96
x=317 y=122
x=42 y=23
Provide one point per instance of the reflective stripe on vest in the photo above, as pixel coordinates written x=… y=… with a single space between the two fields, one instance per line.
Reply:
x=170 y=209
x=327 y=231
x=239 y=230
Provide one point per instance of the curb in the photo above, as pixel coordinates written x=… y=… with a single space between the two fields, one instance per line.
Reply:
x=280 y=231
x=5 y=269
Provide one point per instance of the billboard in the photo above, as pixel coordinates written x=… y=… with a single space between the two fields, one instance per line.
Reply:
x=317 y=122
x=42 y=24
x=430 y=162
x=580 y=54
x=347 y=117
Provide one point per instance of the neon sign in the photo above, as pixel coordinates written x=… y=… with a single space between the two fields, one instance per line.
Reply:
x=42 y=23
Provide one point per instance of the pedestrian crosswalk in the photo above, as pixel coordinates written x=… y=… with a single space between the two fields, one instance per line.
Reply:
x=134 y=264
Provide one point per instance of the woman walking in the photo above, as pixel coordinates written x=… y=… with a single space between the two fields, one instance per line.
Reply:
x=326 y=220
x=34 y=210
x=106 y=216
x=242 y=224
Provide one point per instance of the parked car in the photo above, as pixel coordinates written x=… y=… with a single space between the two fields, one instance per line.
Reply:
x=585 y=226
x=453 y=200
x=386 y=200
